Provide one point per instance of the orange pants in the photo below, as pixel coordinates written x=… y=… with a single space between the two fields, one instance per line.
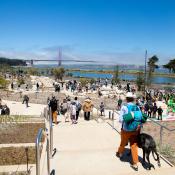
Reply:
x=129 y=136
x=54 y=117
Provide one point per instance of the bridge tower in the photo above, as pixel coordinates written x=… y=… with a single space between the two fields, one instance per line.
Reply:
x=31 y=63
x=59 y=57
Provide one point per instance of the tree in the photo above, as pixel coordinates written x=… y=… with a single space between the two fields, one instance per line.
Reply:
x=32 y=71
x=92 y=81
x=58 y=73
x=151 y=67
x=170 y=66
x=140 y=81
x=21 y=81
x=116 y=78
x=5 y=68
x=84 y=81
x=3 y=83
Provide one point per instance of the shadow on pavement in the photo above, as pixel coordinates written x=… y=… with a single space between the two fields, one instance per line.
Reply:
x=127 y=158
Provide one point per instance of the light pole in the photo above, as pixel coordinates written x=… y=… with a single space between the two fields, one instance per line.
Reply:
x=145 y=70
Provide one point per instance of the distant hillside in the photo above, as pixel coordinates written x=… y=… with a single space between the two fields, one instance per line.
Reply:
x=12 y=62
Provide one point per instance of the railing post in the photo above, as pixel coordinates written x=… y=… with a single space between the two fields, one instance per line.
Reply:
x=48 y=157
x=161 y=133
x=109 y=114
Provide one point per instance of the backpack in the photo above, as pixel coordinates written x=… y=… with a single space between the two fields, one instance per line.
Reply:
x=78 y=106
x=136 y=121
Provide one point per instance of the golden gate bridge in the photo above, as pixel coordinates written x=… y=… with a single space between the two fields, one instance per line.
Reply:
x=59 y=60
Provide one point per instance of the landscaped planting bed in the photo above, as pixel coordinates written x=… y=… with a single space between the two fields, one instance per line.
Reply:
x=17 y=155
x=19 y=132
x=15 y=173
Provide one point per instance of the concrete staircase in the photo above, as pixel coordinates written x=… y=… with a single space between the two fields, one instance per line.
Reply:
x=89 y=148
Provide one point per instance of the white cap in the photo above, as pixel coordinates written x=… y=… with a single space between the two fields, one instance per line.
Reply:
x=130 y=95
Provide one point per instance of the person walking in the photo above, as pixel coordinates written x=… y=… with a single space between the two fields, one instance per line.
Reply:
x=87 y=108
x=128 y=87
x=146 y=108
x=150 y=110
x=119 y=103
x=12 y=86
x=78 y=108
x=128 y=133
x=67 y=116
x=63 y=110
x=73 y=112
x=53 y=104
x=159 y=111
x=26 y=100
x=154 y=110
x=37 y=86
x=102 y=108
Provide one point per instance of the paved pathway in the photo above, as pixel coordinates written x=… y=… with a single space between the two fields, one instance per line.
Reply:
x=17 y=108
x=89 y=148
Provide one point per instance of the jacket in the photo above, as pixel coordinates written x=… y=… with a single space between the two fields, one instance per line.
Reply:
x=87 y=106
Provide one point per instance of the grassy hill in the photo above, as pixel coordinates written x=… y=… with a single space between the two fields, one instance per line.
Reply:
x=12 y=62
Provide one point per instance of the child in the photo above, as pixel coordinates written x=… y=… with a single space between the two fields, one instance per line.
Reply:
x=73 y=112
x=119 y=103
x=102 y=108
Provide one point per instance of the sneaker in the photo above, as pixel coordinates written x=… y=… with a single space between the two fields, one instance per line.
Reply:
x=119 y=155
x=134 y=167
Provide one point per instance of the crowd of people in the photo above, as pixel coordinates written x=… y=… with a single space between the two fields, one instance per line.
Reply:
x=70 y=109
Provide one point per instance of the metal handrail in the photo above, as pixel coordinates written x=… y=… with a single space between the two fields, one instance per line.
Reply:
x=161 y=131
x=48 y=116
x=51 y=131
x=38 y=139
x=162 y=125
x=156 y=122
x=37 y=145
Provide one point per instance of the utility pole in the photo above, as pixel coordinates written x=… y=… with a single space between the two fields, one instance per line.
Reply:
x=59 y=57
x=145 y=70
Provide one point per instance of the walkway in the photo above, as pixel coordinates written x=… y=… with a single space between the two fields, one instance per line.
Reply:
x=17 y=108
x=88 y=148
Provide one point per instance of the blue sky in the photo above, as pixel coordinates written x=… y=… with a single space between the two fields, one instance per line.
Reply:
x=114 y=30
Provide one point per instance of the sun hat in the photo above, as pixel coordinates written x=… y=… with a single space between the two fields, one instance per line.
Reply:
x=130 y=95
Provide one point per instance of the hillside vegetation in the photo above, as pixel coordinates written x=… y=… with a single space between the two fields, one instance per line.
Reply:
x=12 y=62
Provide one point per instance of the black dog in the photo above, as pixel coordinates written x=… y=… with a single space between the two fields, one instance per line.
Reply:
x=148 y=145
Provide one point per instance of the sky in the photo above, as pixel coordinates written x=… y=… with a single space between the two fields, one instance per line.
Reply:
x=115 y=31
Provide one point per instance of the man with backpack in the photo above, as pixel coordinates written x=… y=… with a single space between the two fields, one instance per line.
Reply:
x=78 y=108
x=53 y=104
x=130 y=118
